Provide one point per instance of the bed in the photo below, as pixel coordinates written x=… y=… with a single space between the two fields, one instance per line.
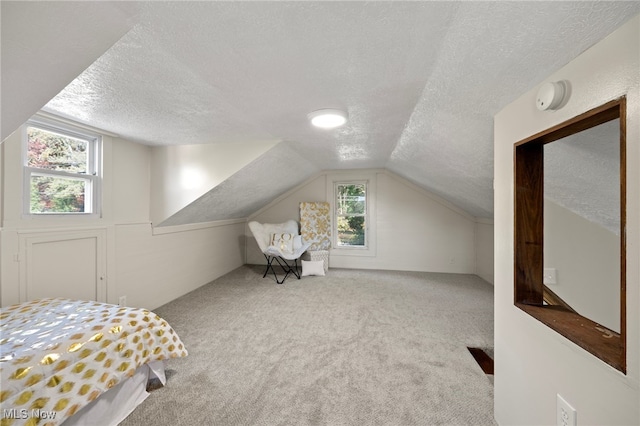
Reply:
x=79 y=362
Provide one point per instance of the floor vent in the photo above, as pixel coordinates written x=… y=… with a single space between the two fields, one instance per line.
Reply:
x=484 y=361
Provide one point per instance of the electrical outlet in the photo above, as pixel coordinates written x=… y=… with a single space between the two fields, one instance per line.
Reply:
x=566 y=415
x=122 y=300
x=549 y=276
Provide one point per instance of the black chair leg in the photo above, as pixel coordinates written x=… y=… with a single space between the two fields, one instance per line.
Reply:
x=269 y=266
x=284 y=265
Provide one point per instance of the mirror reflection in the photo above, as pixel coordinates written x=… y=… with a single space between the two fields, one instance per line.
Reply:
x=582 y=222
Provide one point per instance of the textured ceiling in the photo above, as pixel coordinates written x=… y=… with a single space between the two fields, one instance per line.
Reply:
x=45 y=45
x=582 y=174
x=421 y=82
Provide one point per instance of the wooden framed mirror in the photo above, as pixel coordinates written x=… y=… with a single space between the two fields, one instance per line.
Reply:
x=570 y=222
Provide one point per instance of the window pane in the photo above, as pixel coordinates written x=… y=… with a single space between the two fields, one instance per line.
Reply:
x=351 y=231
x=351 y=199
x=57 y=195
x=52 y=151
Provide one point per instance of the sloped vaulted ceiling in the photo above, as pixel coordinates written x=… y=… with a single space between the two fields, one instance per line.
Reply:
x=45 y=45
x=421 y=82
x=251 y=188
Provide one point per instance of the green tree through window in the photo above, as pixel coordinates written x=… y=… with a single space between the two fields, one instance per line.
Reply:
x=61 y=170
x=351 y=211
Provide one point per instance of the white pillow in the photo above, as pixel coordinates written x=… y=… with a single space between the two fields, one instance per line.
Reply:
x=283 y=242
x=312 y=267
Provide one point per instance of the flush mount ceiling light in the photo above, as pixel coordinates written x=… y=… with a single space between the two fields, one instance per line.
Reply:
x=327 y=118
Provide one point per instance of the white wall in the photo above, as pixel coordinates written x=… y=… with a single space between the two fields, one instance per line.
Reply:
x=586 y=257
x=180 y=174
x=1 y=212
x=484 y=249
x=533 y=362
x=158 y=268
x=148 y=266
x=415 y=230
x=130 y=198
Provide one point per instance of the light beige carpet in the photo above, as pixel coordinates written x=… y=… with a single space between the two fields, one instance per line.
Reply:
x=352 y=348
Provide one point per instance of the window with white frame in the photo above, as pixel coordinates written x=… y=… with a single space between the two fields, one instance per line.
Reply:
x=351 y=214
x=61 y=170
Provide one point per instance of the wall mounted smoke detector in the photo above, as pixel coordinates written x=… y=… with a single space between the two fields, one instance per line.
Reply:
x=551 y=95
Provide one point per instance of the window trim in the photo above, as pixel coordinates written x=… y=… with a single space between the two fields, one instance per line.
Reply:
x=369 y=178
x=93 y=177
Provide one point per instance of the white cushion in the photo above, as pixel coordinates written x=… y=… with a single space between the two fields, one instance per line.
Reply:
x=263 y=231
x=312 y=267
x=283 y=241
x=297 y=242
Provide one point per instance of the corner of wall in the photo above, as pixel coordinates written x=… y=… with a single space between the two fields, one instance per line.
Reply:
x=183 y=173
x=287 y=194
x=483 y=244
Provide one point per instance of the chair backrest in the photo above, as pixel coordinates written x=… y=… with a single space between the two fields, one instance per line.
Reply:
x=262 y=231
